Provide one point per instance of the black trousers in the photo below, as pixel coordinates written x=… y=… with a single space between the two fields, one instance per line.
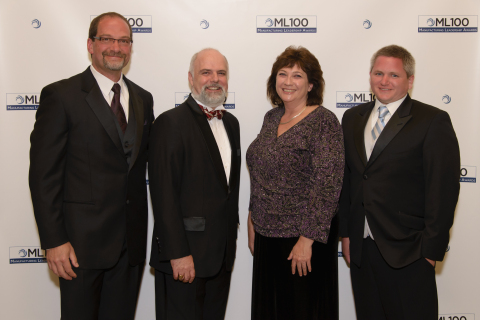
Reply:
x=106 y=294
x=203 y=299
x=385 y=293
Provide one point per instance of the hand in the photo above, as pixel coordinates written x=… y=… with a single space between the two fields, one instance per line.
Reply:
x=59 y=258
x=183 y=267
x=251 y=233
x=301 y=255
x=346 y=249
x=432 y=262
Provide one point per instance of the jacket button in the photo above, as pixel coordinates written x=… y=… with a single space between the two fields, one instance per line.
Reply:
x=128 y=201
x=365 y=177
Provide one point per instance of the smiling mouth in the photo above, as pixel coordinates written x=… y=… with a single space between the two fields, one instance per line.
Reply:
x=113 y=55
x=288 y=90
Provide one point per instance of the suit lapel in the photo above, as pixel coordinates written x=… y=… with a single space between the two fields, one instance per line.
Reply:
x=359 y=130
x=233 y=145
x=209 y=139
x=100 y=107
x=137 y=104
x=393 y=127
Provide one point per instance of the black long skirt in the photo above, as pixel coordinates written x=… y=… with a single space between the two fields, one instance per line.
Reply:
x=279 y=295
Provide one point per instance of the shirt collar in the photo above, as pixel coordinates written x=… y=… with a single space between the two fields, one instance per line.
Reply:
x=392 y=107
x=106 y=84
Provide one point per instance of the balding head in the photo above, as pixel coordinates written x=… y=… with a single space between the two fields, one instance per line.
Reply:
x=208 y=77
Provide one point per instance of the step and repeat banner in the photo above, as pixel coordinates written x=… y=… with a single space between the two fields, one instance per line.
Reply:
x=43 y=41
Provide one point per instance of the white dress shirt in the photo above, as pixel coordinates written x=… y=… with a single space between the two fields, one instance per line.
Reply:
x=370 y=143
x=106 y=86
x=221 y=137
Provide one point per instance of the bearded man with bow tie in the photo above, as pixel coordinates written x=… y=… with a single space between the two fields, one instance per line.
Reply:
x=194 y=172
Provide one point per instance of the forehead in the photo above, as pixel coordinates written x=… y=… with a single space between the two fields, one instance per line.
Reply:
x=210 y=59
x=388 y=64
x=295 y=68
x=113 y=25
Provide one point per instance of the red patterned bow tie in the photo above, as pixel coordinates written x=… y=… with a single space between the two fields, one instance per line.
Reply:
x=212 y=114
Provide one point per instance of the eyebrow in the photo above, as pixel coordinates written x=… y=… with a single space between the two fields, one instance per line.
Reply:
x=212 y=70
x=294 y=72
x=105 y=35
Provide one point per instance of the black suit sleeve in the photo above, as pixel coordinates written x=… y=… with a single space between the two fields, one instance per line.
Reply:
x=47 y=167
x=166 y=159
x=344 y=202
x=441 y=162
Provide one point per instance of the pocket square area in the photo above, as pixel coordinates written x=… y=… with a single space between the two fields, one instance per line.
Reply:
x=194 y=224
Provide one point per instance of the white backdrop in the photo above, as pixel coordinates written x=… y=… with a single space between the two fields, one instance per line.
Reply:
x=45 y=41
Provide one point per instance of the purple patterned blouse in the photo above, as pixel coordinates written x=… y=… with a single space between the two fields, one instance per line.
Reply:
x=296 y=178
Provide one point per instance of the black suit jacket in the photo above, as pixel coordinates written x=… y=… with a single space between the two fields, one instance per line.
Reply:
x=82 y=188
x=196 y=211
x=409 y=187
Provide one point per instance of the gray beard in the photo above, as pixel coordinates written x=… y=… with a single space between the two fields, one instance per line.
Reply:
x=113 y=66
x=211 y=101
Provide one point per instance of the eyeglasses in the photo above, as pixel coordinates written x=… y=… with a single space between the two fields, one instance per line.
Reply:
x=121 y=42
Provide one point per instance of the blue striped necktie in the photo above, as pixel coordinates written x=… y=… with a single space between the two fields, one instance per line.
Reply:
x=377 y=129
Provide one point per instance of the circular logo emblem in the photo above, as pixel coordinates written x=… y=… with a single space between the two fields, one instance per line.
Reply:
x=269 y=22
x=22 y=253
x=36 y=23
x=446 y=99
x=19 y=99
x=204 y=24
x=348 y=97
x=367 y=24
x=430 y=22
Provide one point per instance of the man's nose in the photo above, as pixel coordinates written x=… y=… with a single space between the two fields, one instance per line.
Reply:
x=115 y=45
x=384 y=80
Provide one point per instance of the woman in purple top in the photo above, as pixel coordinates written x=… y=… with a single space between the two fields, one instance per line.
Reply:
x=296 y=170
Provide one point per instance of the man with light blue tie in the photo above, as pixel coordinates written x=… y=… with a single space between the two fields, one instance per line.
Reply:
x=399 y=194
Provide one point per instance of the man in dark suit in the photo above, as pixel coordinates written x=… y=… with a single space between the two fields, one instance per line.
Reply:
x=87 y=178
x=399 y=194
x=194 y=174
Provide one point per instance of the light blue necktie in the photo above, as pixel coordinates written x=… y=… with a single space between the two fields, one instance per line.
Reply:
x=377 y=129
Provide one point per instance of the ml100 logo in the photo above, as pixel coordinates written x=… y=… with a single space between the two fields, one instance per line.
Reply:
x=447 y=23
x=27 y=255
x=468 y=174
x=180 y=98
x=457 y=316
x=286 y=24
x=23 y=101
x=139 y=24
x=348 y=99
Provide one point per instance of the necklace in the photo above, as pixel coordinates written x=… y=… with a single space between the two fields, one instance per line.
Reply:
x=294 y=116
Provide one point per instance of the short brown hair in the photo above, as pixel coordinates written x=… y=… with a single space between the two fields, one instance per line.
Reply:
x=92 y=32
x=395 y=51
x=305 y=60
